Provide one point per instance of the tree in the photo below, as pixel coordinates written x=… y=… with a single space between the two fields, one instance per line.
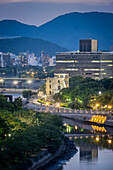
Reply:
x=3 y=129
x=18 y=103
x=27 y=93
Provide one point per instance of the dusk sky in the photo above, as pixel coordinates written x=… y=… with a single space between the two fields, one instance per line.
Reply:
x=37 y=12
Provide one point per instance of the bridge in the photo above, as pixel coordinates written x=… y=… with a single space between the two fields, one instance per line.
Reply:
x=83 y=135
x=15 y=90
x=17 y=78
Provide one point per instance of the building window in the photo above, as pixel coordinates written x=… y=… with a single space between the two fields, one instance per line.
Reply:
x=49 y=92
x=58 y=87
x=58 y=81
x=49 y=81
x=50 y=86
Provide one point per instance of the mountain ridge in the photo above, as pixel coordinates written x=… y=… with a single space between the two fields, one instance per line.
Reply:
x=66 y=30
x=24 y=44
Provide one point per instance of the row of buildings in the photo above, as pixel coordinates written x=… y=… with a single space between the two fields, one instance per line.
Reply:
x=25 y=59
x=86 y=62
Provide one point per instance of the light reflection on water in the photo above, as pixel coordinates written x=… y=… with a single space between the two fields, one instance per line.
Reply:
x=95 y=150
x=88 y=158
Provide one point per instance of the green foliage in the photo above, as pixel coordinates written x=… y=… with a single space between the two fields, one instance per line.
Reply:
x=27 y=93
x=44 y=133
x=106 y=98
x=3 y=128
x=4 y=104
x=25 y=132
x=50 y=71
x=43 y=88
x=85 y=91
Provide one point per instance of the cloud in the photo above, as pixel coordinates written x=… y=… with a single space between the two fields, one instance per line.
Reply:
x=62 y=1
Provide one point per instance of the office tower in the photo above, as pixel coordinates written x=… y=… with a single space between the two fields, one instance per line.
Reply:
x=88 y=45
x=97 y=65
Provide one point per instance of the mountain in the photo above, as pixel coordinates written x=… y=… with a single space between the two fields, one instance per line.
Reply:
x=13 y=28
x=24 y=44
x=66 y=30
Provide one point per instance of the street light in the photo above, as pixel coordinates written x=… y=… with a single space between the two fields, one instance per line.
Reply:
x=97 y=139
x=109 y=141
x=109 y=107
x=97 y=105
x=29 y=81
x=58 y=105
x=1 y=81
x=47 y=104
x=99 y=92
x=15 y=83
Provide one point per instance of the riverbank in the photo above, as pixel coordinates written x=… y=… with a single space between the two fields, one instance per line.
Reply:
x=45 y=159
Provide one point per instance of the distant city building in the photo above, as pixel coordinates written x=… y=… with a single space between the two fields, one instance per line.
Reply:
x=44 y=59
x=52 y=61
x=54 y=85
x=32 y=60
x=23 y=59
x=96 y=65
x=88 y=45
x=5 y=59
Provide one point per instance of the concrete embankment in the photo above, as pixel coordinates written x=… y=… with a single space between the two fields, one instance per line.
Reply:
x=46 y=158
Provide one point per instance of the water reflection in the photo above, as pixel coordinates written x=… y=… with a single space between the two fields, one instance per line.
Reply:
x=94 y=144
x=92 y=154
x=88 y=152
x=73 y=127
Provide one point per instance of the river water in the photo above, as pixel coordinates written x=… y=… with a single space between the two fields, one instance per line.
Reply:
x=94 y=144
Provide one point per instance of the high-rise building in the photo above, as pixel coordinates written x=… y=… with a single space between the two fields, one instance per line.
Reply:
x=88 y=45
x=23 y=59
x=52 y=61
x=96 y=65
x=44 y=59
x=5 y=59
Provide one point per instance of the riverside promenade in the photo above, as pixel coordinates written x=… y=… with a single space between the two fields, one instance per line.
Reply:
x=95 y=117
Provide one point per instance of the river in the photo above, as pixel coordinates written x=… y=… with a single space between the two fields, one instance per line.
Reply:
x=94 y=144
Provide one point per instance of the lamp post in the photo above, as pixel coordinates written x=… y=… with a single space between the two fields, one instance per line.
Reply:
x=1 y=81
x=47 y=104
x=29 y=82
x=58 y=105
x=109 y=107
x=99 y=92
x=15 y=83
x=97 y=105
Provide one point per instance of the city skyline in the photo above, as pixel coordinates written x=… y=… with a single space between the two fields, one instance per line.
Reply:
x=38 y=12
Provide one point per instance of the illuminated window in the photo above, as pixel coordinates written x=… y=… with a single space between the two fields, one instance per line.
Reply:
x=102 y=61
x=66 y=61
x=96 y=77
x=93 y=69
x=103 y=73
x=96 y=73
x=110 y=65
x=69 y=69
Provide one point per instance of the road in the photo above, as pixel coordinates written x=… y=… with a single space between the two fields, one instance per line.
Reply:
x=63 y=111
